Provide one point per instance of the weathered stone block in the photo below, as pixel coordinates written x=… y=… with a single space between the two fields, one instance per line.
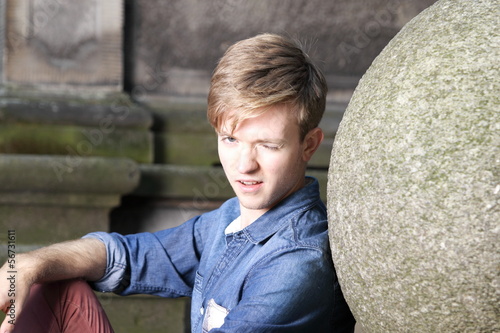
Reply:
x=48 y=199
x=55 y=44
x=413 y=181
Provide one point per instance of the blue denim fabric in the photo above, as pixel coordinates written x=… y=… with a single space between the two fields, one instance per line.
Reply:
x=276 y=275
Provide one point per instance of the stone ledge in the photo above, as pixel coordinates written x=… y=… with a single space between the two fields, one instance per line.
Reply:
x=35 y=107
x=109 y=126
x=60 y=199
x=48 y=199
x=67 y=174
x=79 y=141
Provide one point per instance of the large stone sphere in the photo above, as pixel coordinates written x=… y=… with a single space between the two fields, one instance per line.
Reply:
x=413 y=185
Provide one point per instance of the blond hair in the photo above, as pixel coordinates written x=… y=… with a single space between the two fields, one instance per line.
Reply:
x=261 y=72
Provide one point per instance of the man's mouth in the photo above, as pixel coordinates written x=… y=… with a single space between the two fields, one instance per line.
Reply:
x=248 y=183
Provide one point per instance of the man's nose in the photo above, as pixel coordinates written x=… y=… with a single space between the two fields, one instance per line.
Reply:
x=247 y=161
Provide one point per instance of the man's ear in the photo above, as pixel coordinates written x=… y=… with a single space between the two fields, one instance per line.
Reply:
x=311 y=143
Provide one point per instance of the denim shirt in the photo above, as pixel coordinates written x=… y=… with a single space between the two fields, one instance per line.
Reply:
x=276 y=275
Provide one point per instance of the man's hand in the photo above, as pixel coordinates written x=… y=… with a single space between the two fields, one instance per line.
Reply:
x=14 y=290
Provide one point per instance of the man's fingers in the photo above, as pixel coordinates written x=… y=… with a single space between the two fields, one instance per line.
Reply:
x=11 y=312
x=6 y=326
x=12 y=308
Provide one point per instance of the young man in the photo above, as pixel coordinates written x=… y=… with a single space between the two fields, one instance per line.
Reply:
x=259 y=263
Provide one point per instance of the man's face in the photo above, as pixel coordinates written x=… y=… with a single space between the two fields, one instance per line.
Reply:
x=264 y=160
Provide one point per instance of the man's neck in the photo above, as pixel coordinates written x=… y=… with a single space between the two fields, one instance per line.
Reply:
x=248 y=216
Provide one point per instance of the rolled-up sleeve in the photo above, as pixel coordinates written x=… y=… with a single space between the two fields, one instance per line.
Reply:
x=115 y=276
x=161 y=263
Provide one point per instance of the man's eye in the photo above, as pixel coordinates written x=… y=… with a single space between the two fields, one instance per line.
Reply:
x=271 y=147
x=228 y=139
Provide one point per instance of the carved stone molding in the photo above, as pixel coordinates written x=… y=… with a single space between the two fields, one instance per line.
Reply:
x=73 y=43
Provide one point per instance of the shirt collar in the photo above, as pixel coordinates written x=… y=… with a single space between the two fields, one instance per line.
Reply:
x=270 y=222
x=234 y=226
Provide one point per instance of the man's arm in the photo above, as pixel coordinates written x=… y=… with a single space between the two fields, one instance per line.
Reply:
x=83 y=258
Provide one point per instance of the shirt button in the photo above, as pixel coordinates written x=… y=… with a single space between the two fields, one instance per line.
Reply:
x=202 y=311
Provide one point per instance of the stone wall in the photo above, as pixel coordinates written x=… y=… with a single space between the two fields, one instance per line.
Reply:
x=342 y=36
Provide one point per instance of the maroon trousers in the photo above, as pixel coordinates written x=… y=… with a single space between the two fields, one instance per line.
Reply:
x=65 y=306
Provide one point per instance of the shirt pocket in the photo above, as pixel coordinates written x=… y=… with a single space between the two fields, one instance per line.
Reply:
x=214 y=316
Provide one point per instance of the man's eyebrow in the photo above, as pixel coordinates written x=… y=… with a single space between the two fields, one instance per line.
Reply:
x=223 y=133
x=279 y=142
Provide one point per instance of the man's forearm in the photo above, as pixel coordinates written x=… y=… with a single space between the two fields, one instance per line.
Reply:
x=82 y=258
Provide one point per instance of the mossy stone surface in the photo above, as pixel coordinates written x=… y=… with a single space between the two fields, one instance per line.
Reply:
x=77 y=141
x=413 y=188
x=107 y=126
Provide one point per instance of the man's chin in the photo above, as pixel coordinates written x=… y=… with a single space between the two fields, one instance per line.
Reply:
x=251 y=204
